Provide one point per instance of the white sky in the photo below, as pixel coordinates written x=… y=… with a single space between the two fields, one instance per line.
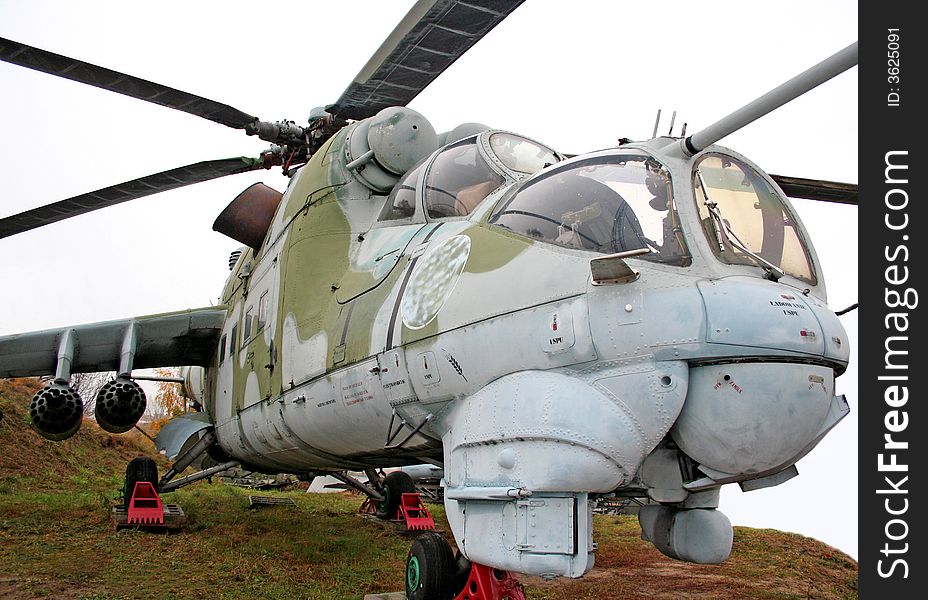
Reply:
x=577 y=75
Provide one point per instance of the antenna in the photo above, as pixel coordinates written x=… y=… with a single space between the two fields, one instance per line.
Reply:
x=672 y=119
x=656 y=123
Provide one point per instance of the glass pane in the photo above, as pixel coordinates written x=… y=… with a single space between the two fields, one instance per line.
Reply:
x=458 y=180
x=402 y=201
x=521 y=155
x=262 y=311
x=753 y=213
x=607 y=204
x=249 y=315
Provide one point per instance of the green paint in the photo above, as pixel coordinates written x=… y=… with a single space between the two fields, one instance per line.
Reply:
x=408 y=336
x=492 y=248
x=320 y=280
x=382 y=249
x=311 y=258
x=412 y=573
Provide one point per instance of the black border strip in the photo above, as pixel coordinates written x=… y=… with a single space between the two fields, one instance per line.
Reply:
x=399 y=296
x=892 y=496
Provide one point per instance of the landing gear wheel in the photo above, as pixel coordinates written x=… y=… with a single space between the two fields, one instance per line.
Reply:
x=430 y=569
x=395 y=484
x=141 y=468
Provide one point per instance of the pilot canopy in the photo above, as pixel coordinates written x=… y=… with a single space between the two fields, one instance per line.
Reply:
x=461 y=175
x=606 y=204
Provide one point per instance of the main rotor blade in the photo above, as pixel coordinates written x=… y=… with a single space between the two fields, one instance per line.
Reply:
x=817 y=189
x=434 y=34
x=107 y=79
x=129 y=190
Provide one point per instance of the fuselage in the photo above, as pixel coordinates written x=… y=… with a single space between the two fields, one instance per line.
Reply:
x=351 y=334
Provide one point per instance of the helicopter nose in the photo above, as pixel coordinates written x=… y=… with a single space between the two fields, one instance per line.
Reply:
x=748 y=420
x=751 y=313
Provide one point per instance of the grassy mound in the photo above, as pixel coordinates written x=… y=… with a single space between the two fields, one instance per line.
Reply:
x=57 y=540
x=91 y=458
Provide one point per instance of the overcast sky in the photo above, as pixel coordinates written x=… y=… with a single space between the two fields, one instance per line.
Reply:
x=577 y=75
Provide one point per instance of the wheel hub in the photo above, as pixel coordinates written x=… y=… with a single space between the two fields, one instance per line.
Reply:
x=412 y=573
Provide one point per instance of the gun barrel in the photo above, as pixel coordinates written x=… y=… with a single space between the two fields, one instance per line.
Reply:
x=800 y=84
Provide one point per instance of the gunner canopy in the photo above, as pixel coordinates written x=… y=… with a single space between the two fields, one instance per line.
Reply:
x=745 y=220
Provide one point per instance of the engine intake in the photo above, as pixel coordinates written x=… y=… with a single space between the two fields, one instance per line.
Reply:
x=56 y=411
x=120 y=404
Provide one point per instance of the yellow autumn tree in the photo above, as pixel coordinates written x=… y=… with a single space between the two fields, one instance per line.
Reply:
x=169 y=399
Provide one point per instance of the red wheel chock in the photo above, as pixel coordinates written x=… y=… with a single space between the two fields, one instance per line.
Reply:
x=413 y=511
x=368 y=507
x=145 y=506
x=487 y=583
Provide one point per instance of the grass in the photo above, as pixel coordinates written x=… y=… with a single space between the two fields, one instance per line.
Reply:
x=63 y=545
x=57 y=541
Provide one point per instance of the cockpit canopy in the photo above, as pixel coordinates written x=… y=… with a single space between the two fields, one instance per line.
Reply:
x=457 y=180
x=461 y=175
x=608 y=204
x=745 y=219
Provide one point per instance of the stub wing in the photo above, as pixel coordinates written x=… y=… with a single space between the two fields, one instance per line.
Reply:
x=186 y=337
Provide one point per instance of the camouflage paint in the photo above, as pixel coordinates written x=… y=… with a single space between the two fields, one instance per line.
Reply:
x=346 y=289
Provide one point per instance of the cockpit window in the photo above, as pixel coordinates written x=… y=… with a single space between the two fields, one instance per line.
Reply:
x=521 y=155
x=458 y=179
x=606 y=204
x=745 y=220
x=402 y=201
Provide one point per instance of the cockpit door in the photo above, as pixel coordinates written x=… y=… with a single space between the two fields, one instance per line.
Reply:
x=380 y=249
x=379 y=252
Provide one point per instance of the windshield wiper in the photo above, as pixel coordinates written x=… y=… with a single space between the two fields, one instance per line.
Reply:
x=723 y=234
x=713 y=212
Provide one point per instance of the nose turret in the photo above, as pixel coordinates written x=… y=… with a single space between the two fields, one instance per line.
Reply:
x=744 y=421
x=762 y=394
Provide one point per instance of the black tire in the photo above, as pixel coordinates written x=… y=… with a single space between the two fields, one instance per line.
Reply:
x=430 y=569
x=395 y=484
x=141 y=468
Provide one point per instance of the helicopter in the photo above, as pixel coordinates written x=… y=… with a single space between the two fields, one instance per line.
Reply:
x=578 y=229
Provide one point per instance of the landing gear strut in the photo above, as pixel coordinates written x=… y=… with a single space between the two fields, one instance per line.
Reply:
x=186 y=459
x=383 y=495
